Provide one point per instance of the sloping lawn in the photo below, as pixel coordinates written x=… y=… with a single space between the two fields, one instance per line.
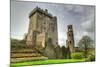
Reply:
x=43 y=62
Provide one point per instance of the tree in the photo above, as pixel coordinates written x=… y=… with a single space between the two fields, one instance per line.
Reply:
x=64 y=52
x=85 y=44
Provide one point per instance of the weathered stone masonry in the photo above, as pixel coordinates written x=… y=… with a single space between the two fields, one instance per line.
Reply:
x=42 y=26
x=70 y=39
x=43 y=32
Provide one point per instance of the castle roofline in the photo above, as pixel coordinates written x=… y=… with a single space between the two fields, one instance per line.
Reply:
x=37 y=9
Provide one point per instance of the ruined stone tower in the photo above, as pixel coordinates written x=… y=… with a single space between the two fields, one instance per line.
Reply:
x=70 y=39
x=42 y=26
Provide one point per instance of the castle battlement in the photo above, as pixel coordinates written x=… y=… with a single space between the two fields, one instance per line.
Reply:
x=45 y=12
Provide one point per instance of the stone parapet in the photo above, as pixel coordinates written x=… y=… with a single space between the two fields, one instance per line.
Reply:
x=37 y=9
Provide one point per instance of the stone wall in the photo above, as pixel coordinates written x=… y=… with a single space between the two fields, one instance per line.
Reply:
x=42 y=22
x=42 y=27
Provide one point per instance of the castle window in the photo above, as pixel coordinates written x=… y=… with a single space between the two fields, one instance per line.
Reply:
x=69 y=29
x=56 y=42
x=53 y=29
x=69 y=34
x=44 y=28
x=70 y=42
x=44 y=23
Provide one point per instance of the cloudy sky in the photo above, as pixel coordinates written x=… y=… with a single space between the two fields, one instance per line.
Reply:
x=82 y=17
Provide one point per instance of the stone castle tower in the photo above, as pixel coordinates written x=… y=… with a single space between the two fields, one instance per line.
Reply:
x=42 y=27
x=70 y=39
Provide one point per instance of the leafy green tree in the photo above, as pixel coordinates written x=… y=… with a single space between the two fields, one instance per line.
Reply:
x=85 y=44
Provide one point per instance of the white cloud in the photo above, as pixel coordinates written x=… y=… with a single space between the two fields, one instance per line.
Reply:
x=17 y=37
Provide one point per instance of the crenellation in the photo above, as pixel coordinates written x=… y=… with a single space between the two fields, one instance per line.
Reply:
x=37 y=9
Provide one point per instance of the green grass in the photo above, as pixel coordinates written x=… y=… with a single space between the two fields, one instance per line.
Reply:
x=43 y=62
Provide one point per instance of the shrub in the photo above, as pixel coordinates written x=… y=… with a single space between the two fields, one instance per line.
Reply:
x=77 y=55
x=91 y=55
x=91 y=58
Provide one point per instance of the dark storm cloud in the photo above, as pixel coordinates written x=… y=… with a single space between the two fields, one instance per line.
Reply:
x=89 y=26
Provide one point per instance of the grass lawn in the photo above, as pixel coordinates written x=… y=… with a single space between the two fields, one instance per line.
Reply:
x=43 y=62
